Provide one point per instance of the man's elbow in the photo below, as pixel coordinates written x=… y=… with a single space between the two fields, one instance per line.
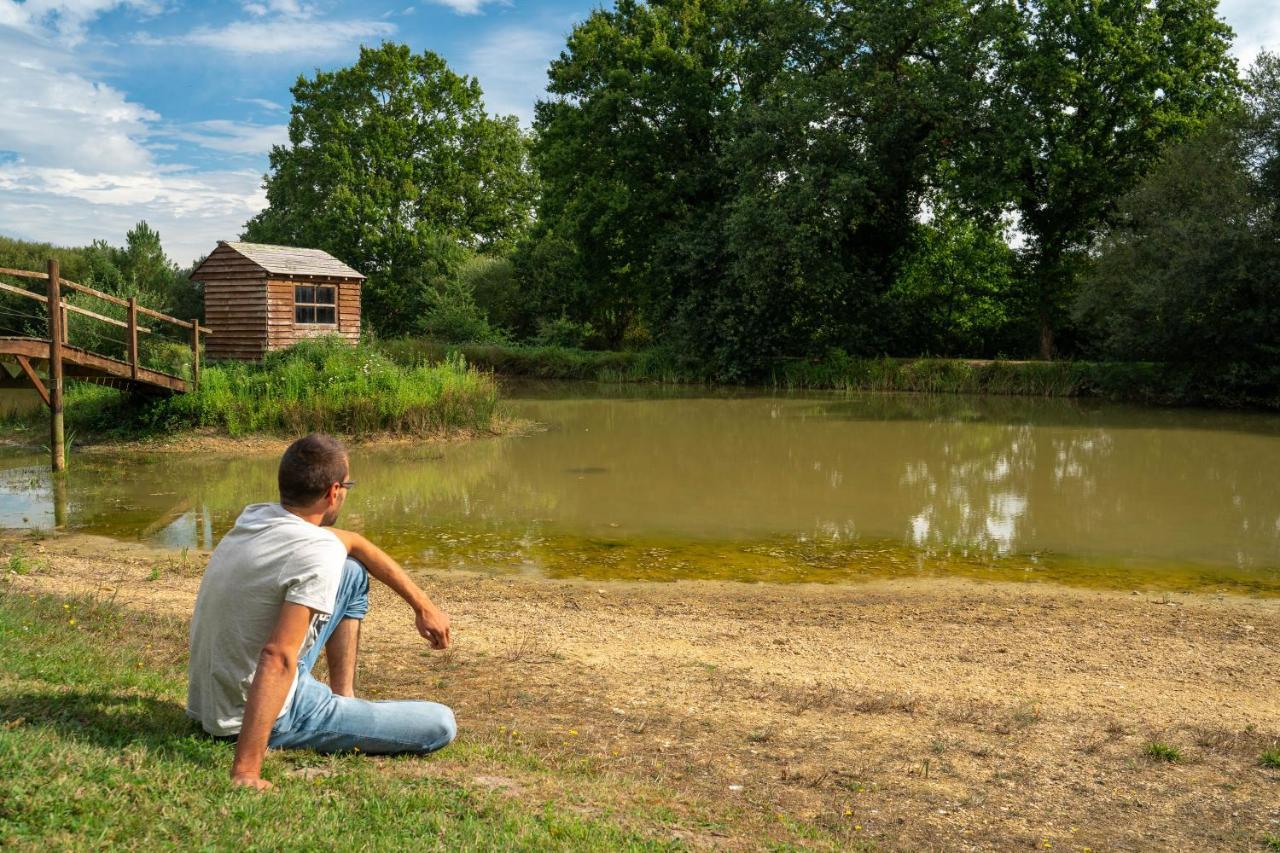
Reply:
x=277 y=661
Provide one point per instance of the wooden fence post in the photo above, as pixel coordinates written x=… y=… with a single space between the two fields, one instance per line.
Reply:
x=133 y=336
x=57 y=435
x=195 y=354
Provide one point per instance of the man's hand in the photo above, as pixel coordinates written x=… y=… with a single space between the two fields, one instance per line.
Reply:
x=433 y=625
x=250 y=780
x=432 y=622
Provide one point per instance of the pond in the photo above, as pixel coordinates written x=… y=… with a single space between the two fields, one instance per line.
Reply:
x=637 y=482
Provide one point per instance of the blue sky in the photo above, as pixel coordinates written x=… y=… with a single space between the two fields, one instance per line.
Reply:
x=112 y=111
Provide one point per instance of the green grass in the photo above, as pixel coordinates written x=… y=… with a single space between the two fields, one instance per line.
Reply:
x=1270 y=758
x=1136 y=382
x=1271 y=841
x=95 y=751
x=547 y=362
x=323 y=384
x=1159 y=751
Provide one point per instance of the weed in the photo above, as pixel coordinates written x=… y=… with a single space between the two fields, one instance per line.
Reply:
x=1158 y=751
x=1271 y=841
x=21 y=564
x=1270 y=758
x=154 y=574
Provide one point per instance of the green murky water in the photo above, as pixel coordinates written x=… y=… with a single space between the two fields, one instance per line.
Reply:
x=638 y=483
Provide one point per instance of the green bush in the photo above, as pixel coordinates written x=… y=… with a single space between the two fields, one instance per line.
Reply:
x=450 y=314
x=325 y=384
x=563 y=332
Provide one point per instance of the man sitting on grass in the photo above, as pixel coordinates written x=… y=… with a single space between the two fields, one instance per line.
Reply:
x=281 y=585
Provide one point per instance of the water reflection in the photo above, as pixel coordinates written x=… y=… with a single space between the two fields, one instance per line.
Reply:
x=644 y=485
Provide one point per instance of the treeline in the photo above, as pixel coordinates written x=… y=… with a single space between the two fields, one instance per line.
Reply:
x=744 y=184
x=140 y=268
x=743 y=181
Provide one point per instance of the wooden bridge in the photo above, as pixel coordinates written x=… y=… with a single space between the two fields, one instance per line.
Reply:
x=60 y=359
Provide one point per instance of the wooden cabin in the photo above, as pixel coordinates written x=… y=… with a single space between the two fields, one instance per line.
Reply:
x=259 y=298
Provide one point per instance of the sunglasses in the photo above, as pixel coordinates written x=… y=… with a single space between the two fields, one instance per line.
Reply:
x=348 y=484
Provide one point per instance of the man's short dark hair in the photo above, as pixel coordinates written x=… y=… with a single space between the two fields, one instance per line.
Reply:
x=309 y=467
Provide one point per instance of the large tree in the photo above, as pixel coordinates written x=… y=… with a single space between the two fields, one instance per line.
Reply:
x=394 y=166
x=746 y=173
x=1092 y=92
x=1189 y=271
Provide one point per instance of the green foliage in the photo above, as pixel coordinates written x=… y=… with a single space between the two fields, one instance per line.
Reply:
x=450 y=314
x=498 y=292
x=321 y=384
x=1089 y=94
x=1270 y=758
x=693 y=171
x=1159 y=751
x=394 y=166
x=563 y=332
x=83 y=692
x=327 y=385
x=140 y=269
x=957 y=293
x=1189 y=274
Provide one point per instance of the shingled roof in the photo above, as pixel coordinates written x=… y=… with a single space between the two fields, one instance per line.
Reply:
x=288 y=260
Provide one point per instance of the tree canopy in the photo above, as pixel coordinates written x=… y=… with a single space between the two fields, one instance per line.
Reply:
x=394 y=166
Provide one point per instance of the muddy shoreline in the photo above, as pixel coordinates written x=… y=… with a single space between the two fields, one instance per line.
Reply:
x=898 y=714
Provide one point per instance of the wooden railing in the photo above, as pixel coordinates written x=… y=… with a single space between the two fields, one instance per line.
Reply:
x=58 y=309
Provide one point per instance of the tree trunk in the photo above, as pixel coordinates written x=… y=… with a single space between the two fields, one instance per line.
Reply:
x=1046 y=337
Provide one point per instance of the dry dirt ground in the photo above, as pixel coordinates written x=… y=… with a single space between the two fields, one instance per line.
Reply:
x=892 y=715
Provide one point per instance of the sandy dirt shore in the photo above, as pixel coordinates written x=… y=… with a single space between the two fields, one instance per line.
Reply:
x=891 y=715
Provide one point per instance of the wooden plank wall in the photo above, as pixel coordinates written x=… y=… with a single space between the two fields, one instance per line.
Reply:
x=235 y=305
x=282 y=331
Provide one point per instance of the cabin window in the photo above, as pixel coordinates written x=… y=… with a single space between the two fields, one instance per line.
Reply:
x=315 y=304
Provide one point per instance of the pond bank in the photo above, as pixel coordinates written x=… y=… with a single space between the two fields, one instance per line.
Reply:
x=1136 y=382
x=894 y=714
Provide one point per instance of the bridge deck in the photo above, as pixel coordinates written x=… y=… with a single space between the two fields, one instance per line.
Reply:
x=90 y=367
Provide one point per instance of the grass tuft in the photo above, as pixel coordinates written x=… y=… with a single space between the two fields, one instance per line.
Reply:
x=1158 y=751
x=1270 y=758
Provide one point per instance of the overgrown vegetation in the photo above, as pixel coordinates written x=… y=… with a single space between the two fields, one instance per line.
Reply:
x=837 y=371
x=321 y=384
x=97 y=751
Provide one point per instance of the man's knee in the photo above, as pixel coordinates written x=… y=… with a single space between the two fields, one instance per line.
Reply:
x=439 y=729
x=354 y=589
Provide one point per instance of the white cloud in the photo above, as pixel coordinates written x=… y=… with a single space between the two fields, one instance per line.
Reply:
x=53 y=115
x=262 y=103
x=68 y=18
x=191 y=210
x=511 y=65
x=281 y=36
x=80 y=158
x=1257 y=27
x=285 y=8
x=233 y=137
x=468 y=7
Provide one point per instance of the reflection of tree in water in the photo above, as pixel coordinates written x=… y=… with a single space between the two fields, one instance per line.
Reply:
x=184 y=501
x=973 y=492
x=980 y=486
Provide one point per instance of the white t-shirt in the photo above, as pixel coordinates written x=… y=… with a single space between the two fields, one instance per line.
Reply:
x=271 y=556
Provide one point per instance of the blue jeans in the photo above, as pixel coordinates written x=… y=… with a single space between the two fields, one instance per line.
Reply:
x=319 y=720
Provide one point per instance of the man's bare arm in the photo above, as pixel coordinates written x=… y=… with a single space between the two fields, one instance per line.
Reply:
x=432 y=622
x=276 y=667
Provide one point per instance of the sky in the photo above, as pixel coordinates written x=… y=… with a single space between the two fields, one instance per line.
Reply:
x=115 y=111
